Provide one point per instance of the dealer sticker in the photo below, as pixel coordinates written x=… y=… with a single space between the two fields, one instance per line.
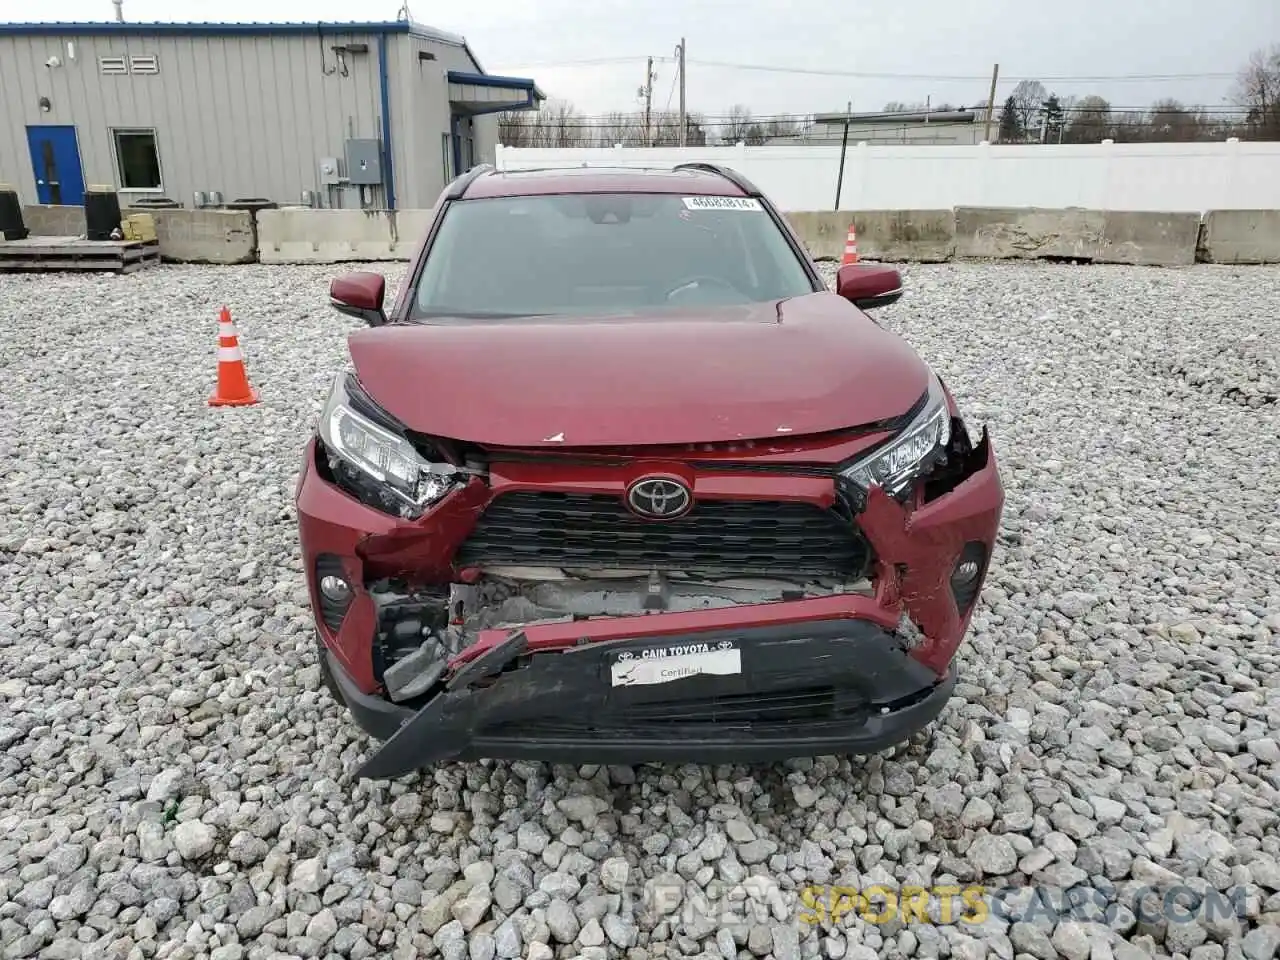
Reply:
x=722 y=203
x=665 y=664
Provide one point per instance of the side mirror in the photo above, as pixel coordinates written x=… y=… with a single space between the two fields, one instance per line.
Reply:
x=360 y=295
x=869 y=285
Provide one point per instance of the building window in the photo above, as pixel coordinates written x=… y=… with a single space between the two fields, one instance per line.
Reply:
x=137 y=159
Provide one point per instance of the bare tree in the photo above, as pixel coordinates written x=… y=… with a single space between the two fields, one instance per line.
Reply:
x=1170 y=121
x=1088 y=121
x=783 y=126
x=664 y=128
x=618 y=127
x=697 y=130
x=737 y=124
x=1258 y=92
x=1028 y=99
x=1128 y=126
x=516 y=128
x=558 y=125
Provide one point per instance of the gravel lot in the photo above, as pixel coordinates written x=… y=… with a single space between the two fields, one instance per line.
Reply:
x=173 y=782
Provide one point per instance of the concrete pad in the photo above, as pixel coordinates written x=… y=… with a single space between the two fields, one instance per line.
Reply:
x=1241 y=236
x=922 y=236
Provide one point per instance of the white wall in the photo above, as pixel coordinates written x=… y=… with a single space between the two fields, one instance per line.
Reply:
x=1167 y=177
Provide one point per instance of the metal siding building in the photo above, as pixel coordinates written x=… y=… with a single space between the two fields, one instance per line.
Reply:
x=245 y=110
x=940 y=127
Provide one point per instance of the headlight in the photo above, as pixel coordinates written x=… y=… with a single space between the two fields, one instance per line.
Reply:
x=911 y=453
x=379 y=462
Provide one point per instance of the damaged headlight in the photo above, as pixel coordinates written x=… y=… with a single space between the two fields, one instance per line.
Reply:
x=910 y=454
x=387 y=468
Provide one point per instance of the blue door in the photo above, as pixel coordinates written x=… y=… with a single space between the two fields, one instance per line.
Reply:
x=55 y=160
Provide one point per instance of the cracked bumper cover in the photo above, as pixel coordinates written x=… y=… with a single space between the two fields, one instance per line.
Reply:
x=562 y=707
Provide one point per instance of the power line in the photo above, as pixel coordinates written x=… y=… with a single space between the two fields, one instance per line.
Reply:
x=675 y=77
x=870 y=75
x=968 y=78
x=590 y=62
x=609 y=120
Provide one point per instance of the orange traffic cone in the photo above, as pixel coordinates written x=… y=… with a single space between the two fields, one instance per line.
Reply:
x=850 y=248
x=233 y=383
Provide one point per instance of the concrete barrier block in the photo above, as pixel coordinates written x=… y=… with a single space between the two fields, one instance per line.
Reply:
x=1148 y=238
x=1241 y=236
x=203 y=236
x=1007 y=233
x=1101 y=236
x=46 y=220
x=922 y=236
x=325 y=236
x=411 y=228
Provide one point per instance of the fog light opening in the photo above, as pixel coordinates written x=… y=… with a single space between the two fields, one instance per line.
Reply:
x=966 y=577
x=335 y=589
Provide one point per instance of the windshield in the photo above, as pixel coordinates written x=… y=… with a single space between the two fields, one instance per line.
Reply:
x=615 y=253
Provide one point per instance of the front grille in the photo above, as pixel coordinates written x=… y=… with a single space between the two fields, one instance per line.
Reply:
x=746 y=712
x=717 y=536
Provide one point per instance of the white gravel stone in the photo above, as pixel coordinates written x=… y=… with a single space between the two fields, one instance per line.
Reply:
x=613 y=874
x=173 y=783
x=194 y=839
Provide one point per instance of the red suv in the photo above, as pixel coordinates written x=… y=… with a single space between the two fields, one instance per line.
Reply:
x=617 y=478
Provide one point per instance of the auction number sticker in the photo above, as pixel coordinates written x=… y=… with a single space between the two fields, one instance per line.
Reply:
x=722 y=203
x=665 y=664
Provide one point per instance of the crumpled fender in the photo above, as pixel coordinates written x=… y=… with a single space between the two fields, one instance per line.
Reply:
x=917 y=548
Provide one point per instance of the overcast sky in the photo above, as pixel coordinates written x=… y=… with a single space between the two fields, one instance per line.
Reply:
x=1186 y=49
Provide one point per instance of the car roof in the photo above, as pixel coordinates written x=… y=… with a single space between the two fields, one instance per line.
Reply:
x=561 y=180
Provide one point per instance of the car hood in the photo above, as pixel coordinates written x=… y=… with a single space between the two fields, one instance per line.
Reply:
x=805 y=365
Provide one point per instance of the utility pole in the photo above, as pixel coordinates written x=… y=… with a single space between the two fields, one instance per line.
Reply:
x=684 y=123
x=991 y=102
x=648 y=101
x=844 y=149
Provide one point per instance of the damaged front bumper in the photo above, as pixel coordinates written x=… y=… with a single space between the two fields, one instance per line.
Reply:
x=813 y=676
x=815 y=688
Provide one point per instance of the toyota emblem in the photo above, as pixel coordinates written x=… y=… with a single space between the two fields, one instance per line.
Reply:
x=659 y=498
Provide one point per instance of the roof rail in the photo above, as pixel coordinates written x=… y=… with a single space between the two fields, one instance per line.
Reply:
x=737 y=179
x=460 y=184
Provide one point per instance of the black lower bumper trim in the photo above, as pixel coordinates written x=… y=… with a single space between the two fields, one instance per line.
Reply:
x=376 y=715
x=831 y=687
